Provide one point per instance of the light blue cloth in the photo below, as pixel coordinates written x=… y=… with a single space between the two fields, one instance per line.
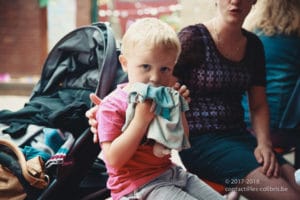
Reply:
x=167 y=126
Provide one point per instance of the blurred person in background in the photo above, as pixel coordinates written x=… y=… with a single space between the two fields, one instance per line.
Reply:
x=277 y=24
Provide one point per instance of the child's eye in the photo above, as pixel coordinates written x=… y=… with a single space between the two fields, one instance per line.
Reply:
x=165 y=69
x=145 y=66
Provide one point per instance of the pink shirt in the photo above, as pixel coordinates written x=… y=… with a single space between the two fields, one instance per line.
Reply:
x=143 y=166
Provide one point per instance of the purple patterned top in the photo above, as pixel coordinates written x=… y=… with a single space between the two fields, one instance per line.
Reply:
x=216 y=83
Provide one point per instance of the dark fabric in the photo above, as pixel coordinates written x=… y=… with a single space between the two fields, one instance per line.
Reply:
x=285 y=138
x=213 y=156
x=16 y=129
x=95 y=181
x=74 y=62
x=64 y=109
x=216 y=83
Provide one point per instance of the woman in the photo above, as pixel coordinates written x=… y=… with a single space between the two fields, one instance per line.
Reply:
x=218 y=63
x=277 y=24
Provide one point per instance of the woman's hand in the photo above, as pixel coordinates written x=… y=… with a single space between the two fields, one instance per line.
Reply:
x=91 y=115
x=264 y=155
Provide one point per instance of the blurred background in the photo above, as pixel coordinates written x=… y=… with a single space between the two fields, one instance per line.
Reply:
x=29 y=29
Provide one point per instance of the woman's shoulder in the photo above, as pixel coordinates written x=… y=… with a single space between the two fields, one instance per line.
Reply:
x=192 y=28
x=251 y=36
x=193 y=34
x=254 y=43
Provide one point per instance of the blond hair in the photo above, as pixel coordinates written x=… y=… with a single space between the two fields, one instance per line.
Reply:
x=150 y=33
x=275 y=17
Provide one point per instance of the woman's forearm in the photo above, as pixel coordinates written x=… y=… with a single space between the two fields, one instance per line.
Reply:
x=260 y=124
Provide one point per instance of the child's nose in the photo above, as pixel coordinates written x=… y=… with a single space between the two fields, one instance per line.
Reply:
x=155 y=78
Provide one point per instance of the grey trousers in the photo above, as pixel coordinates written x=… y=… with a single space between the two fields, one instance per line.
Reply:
x=176 y=183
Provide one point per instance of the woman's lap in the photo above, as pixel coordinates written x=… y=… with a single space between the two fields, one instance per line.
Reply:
x=224 y=158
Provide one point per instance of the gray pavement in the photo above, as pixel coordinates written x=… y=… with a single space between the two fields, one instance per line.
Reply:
x=12 y=102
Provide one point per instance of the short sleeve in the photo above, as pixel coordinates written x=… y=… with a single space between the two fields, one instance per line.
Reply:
x=110 y=121
x=192 y=51
x=257 y=60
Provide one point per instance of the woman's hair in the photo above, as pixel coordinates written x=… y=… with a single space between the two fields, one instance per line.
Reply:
x=273 y=17
x=148 y=34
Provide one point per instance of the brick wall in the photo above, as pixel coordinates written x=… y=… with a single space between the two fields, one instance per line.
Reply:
x=22 y=37
x=83 y=12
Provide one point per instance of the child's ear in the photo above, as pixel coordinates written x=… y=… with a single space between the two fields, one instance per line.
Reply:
x=123 y=62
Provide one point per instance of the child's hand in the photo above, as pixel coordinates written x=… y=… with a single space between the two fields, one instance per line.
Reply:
x=183 y=91
x=144 y=111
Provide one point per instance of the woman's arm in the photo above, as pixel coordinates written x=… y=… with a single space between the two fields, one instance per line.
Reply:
x=260 y=124
x=259 y=114
x=91 y=115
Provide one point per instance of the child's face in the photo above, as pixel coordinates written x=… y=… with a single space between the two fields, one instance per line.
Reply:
x=153 y=67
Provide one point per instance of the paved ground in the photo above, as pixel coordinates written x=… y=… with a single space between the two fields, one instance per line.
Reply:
x=12 y=102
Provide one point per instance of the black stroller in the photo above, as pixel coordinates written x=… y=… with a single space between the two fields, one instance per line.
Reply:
x=82 y=62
